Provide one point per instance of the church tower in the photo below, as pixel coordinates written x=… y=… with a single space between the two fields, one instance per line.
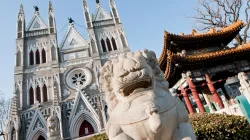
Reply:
x=56 y=84
x=36 y=73
x=105 y=31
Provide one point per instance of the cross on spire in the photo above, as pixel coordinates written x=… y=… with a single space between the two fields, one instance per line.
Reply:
x=71 y=20
x=36 y=8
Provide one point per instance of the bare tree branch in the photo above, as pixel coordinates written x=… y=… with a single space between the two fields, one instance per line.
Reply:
x=4 y=109
x=221 y=13
x=247 y=22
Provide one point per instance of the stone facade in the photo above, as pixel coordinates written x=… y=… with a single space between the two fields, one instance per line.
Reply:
x=57 y=91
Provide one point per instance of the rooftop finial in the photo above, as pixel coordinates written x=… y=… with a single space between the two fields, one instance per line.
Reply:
x=36 y=8
x=84 y=2
x=50 y=6
x=71 y=20
x=21 y=9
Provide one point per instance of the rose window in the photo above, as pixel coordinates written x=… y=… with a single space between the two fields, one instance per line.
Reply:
x=78 y=78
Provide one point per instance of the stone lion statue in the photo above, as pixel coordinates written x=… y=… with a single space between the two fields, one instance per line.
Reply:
x=244 y=85
x=139 y=103
x=53 y=128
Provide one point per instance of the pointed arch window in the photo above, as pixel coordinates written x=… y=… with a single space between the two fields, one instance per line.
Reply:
x=103 y=46
x=37 y=57
x=31 y=93
x=86 y=129
x=93 y=46
x=31 y=55
x=43 y=56
x=109 y=44
x=115 y=13
x=123 y=41
x=13 y=134
x=38 y=94
x=20 y=29
x=87 y=16
x=18 y=59
x=53 y=53
x=41 y=138
x=51 y=24
x=45 y=94
x=114 y=43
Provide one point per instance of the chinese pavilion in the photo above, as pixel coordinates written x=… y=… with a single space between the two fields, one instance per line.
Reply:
x=202 y=69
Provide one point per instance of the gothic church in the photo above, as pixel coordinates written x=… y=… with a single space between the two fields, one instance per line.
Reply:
x=56 y=90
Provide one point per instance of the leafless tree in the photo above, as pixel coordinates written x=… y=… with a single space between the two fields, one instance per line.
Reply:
x=4 y=108
x=221 y=13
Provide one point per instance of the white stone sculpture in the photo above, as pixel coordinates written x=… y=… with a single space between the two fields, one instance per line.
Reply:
x=139 y=103
x=53 y=128
x=182 y=53
x=244 y=85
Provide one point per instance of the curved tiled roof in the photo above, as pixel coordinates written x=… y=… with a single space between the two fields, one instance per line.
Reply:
x=210 y=56
x=199 y=59
x=168 y=58
x=212 y=34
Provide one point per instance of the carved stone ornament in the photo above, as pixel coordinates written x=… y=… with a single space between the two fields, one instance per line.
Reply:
x=53 y=128
x=139 y=102
x=66 y=92
x=244 y=85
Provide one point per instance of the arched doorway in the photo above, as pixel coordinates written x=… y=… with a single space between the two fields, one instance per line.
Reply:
x=41 y=138
x=86 y=129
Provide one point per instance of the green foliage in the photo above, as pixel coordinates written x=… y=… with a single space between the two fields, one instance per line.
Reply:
x=220 y=126
x=213 y=126
x=99 y=137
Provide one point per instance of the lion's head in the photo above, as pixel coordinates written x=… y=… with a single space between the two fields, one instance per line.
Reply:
x=128 y=74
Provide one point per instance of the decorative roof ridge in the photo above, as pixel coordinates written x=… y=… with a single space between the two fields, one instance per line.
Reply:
x=215 y=53
x=235 y=26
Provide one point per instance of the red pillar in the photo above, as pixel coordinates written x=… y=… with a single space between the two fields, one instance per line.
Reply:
x=213 y=91
x=186 y=99
x=195 y=95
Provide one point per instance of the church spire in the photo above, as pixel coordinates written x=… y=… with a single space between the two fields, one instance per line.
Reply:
x=56 y=100
x=84 y=3
x=114 y=11
x=21 y=9
x=14 y=107
x=20 y=23
x=52 y=25
x=50 y=7
x=87 y=14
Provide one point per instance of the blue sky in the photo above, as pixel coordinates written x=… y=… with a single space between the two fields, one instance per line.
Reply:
x=143 y=20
